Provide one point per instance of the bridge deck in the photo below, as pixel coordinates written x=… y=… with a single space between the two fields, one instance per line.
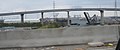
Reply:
x=60 y=10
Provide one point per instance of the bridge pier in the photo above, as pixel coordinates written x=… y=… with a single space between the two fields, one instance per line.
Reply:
x=68 y=18
x=102 y=17
x=42 y=16
x=22 y=18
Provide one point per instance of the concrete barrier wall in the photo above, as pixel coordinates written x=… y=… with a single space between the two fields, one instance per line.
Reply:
x=71 y=35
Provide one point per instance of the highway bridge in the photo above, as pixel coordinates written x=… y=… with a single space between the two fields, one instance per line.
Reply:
x=61 y=10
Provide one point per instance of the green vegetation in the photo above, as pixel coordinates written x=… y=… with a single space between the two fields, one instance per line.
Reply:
x=20 y=24
x=53 y=25
x=38 y=25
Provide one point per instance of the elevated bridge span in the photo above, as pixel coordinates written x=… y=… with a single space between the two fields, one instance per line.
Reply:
x=61 y=10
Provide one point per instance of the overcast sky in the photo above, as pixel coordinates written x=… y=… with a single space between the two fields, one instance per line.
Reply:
x=21 y=5
x=25 y=5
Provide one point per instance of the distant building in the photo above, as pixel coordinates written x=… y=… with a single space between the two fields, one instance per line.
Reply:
x=78 y=21
x=45 y=20
x=19 y=21
x=1 y=21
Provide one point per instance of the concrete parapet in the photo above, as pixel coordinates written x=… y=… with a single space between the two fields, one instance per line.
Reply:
x=58 y=36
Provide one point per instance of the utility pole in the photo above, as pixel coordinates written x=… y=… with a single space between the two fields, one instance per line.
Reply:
x=115 y=8
x=54 y=12
x=116 y=15
x=53 y=4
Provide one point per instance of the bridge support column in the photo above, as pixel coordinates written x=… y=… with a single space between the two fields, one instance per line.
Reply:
x=102 y=17
x=42 y=16
x=68 y=18
x=22 y=18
